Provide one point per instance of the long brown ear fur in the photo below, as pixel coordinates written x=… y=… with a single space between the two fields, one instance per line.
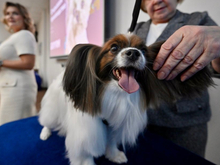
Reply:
x=80 y=80
x=169 y=91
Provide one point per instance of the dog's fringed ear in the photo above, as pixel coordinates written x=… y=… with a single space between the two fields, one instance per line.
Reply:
x=80 y=80
x=170 y=90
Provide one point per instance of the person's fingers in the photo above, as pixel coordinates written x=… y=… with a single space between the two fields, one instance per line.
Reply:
x=188 y=60
x=175 y=58
x=166 y=49
x=190 y=48
x=198 y=65
x=211 y=51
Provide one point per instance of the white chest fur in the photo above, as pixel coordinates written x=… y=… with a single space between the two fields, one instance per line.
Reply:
x=124 y=113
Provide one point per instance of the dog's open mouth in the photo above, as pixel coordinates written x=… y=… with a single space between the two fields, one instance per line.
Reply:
x=126 y=79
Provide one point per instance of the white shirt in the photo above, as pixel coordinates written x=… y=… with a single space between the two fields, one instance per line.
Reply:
x=18 y=88
x=154 y=32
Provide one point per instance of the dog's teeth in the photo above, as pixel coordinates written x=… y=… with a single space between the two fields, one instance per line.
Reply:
x=117 y=73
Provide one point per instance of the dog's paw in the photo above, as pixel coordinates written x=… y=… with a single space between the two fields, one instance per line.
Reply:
x=88 y=162
x=118 y=157
x=84 y=161
x=45 y=133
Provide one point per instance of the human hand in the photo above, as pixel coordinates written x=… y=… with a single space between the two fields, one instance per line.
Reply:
x=191 y=47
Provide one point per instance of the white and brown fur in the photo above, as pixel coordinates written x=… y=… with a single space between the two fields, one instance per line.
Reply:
x=87 y=93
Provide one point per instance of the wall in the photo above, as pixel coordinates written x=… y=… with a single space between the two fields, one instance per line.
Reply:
x=49 y=68
x=3 y=33
x=213 y=146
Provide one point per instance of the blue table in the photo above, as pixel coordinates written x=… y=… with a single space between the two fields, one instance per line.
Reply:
x=20 y=145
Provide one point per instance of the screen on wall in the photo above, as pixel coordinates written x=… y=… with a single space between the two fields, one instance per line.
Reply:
x=73 y=22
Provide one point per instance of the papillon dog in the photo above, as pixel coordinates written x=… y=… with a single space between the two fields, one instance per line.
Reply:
x=100 y=100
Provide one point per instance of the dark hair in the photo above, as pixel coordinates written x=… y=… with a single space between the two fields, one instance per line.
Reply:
x=28 y=23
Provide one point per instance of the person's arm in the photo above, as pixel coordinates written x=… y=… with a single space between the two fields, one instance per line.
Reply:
x=26 y=62
x=216 y=65
x=25 y=46
x=191 y=47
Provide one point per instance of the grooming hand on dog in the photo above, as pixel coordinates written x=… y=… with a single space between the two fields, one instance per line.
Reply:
x=205 y=43
x=115 y=83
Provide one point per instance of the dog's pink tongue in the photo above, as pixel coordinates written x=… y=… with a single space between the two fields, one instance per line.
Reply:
x=127 y=81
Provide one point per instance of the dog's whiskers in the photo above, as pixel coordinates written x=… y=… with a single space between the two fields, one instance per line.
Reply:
x=150 y=71
x=150 y=62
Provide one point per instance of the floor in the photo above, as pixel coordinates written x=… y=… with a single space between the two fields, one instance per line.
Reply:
x=40 y=95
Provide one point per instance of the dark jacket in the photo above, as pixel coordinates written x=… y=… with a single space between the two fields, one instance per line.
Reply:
x=186 y=112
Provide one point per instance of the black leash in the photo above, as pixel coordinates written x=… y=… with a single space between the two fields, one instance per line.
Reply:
x=135 y=15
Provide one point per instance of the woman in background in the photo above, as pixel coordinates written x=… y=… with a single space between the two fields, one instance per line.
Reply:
x=18 y=88
x=184 y=123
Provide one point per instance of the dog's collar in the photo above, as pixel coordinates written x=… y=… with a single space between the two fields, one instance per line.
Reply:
x=105 y=122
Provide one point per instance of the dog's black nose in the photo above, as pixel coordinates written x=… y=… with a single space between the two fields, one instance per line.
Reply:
x=132 y=54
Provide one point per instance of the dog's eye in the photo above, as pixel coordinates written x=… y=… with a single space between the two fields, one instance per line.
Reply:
x=114 y=48
x=143 y=51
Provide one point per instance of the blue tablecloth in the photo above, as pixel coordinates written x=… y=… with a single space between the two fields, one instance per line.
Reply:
x=20 y=145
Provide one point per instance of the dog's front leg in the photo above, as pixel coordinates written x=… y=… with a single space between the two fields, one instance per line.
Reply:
x=82 y=160
x=78 y=155
x=114 y=154
x=45 y=133
x=85 y=138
